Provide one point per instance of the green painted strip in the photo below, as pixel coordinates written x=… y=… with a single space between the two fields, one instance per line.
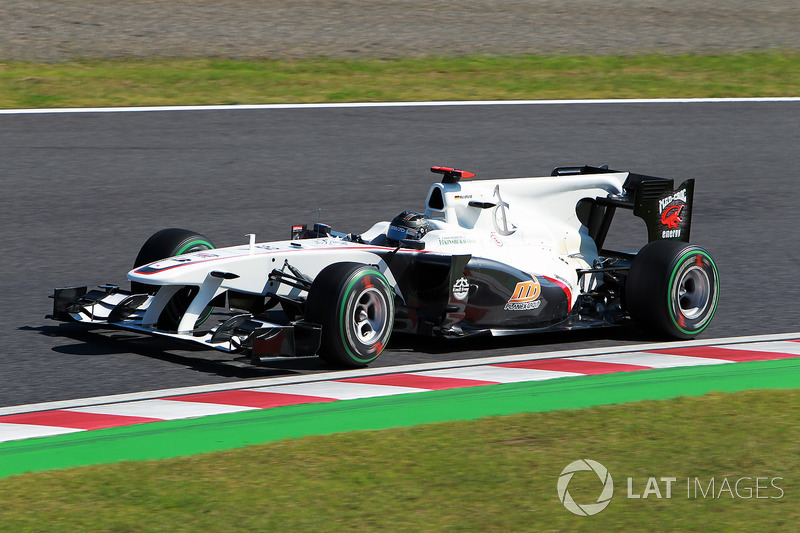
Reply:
x=160 y=440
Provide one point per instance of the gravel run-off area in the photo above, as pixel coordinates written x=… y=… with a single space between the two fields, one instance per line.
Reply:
x=62 y=30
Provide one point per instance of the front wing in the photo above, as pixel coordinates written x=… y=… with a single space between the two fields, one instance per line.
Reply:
x=112 y=306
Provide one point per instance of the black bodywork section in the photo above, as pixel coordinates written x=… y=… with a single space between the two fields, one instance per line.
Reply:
x=425 y=281
x=504 y=297
x=461 y=294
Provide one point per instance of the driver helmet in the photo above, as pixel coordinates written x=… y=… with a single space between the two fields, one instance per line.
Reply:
x=408 y=225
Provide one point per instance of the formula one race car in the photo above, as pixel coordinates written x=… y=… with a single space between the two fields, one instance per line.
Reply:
x=499 y=257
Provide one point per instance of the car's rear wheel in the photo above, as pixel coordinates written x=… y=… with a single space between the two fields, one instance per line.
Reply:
x=355 y=306
x=672 y=289
x=169 y=243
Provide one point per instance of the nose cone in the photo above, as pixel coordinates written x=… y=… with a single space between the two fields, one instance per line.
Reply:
x=188 y=269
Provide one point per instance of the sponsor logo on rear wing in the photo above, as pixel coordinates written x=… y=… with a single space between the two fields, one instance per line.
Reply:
x=668 y=215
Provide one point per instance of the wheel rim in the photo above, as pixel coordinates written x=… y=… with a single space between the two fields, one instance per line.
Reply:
x=694 y=292
x=369 y=316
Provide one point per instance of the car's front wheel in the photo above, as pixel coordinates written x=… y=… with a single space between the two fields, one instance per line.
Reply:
x=672 y=289
x=354 y=303
x=169 y=243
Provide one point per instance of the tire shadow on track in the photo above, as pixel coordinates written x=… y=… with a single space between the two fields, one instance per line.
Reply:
x=104 y=341
x=402 y=349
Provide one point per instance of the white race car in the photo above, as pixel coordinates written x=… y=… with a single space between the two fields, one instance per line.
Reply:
x=500 y=257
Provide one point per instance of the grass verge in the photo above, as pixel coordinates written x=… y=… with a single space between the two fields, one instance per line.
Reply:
x=133 y=82
x=492 y=474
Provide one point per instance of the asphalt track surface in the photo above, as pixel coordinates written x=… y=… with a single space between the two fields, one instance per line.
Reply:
x=82 y=192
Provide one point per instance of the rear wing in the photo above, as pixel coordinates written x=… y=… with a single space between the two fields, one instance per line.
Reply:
x=666 y=210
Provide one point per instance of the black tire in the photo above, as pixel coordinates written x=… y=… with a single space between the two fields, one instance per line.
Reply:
x=355 y=306
x=169 y=243
x=672 y=289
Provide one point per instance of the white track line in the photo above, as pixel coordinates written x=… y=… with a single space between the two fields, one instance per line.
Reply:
x=352 y=105
x=27 y=431
x=415 y=368
x=340 y=391
x=653 y=360
x=166 y=409
x=498 y=374
x=772 y=347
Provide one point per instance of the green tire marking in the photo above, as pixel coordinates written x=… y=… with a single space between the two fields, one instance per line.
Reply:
x=672 y=316
x=192 y=243
x=341 y=314
x=160 y=440
x=202 y=318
